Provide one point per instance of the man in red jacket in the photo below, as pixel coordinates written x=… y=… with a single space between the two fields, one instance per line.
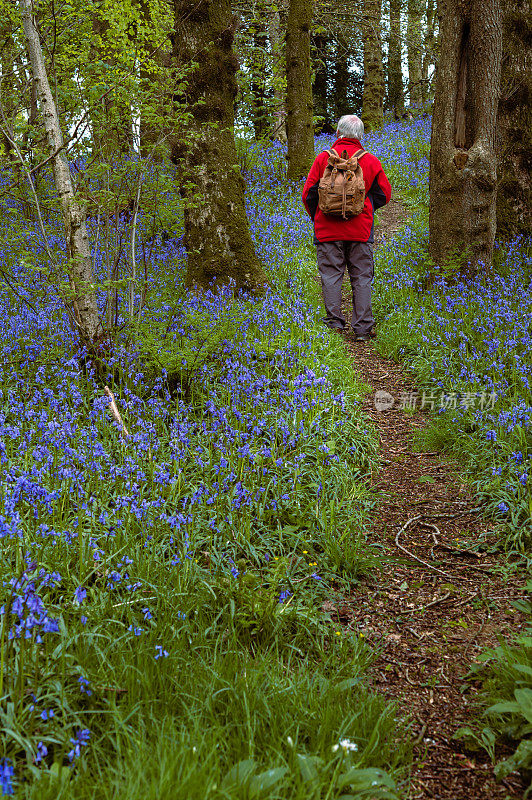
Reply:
x=349 y=242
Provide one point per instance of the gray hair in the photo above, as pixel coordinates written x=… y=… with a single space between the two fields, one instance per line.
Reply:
x=350 y=126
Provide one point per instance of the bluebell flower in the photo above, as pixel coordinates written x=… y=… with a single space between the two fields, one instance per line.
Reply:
x=80 y=740
x=84 y=685
x=42 y=752
x=80 y=594
x=6 y=776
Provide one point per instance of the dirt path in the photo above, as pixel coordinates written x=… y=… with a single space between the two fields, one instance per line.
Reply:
x=442 y=597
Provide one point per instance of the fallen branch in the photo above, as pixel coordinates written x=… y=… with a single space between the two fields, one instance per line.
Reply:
x=416 y=558
x=115 y=412
x=427 y=605
x=456 y=513
x=455 y=550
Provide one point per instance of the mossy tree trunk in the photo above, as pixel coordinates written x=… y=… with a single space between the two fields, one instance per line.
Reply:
x=299 y=109
x=396 y=96
x=463 y=179
x=514 y=123
x=373 y=95
x=217 y=236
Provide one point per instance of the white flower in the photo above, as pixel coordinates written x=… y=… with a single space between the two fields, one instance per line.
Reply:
x=347 y=745
x=290 y=741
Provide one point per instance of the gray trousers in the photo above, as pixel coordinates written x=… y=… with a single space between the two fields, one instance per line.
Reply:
x=333 y=258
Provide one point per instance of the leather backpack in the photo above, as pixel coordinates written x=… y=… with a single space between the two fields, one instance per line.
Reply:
x=341 y=189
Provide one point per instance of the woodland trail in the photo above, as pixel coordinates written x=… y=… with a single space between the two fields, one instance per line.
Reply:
x=443 y=595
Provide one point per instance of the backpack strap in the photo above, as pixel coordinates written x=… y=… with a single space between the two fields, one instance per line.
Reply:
x=359 y=153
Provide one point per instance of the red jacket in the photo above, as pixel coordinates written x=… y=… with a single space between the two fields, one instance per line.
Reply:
x=378 y=193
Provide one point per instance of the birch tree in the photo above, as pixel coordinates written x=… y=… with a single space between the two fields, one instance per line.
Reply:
x=79 y=261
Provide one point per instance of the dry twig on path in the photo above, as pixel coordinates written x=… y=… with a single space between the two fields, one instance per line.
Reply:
x=416 y=558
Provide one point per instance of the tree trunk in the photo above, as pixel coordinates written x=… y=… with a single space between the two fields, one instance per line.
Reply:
x=462 y=162
x=217 y=236
x=258 y=73
x=299 y=123
x=414 y=51
x=514 y=122
x=7 y=58
x=396 y=96
x=111 y=119
x=319 y=86
x=79 y=267
x=341 y=80
x=428 y=51
x=155 y=127
x=373 y=97
x=278 y=72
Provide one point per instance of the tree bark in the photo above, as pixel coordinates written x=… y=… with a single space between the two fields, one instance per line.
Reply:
x=463 y=163
x=373 y=96
x=340 y=96
x=299 y=110
x=514 y=122
x=319 y=85
x=428 y=51
x=278 y=72
x=79 y=267
x=217 y=236
x=414 y=45
x=396 y=96
x=261 y=124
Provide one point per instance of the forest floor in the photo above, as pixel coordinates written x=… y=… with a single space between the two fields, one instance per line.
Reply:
x=444 y=594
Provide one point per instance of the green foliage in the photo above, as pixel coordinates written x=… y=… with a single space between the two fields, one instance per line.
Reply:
x=187 y=338
x=506 y=696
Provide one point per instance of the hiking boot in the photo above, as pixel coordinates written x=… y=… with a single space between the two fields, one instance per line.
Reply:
x=363 y=338
x=373 y=333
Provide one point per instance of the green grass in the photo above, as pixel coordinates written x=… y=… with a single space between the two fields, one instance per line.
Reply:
x=186 y=721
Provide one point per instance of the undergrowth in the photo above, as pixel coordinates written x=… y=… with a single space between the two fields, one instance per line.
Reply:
x=505 y=702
